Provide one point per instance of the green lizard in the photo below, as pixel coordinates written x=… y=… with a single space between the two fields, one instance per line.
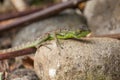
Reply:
x=59 y=34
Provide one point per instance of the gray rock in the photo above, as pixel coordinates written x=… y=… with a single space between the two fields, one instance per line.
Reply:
x=35 y=30
x=87 y=59
x=103 y=16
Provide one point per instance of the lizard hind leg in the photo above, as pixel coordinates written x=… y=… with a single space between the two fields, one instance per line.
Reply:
x=58 y=43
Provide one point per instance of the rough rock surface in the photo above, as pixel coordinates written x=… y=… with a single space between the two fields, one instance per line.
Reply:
x=87 y=59
x=103 y=16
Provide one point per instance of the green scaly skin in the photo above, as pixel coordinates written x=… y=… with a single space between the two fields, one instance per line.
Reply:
x=51 y=36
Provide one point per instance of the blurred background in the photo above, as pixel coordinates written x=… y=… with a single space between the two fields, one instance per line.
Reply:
x=21 y=5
